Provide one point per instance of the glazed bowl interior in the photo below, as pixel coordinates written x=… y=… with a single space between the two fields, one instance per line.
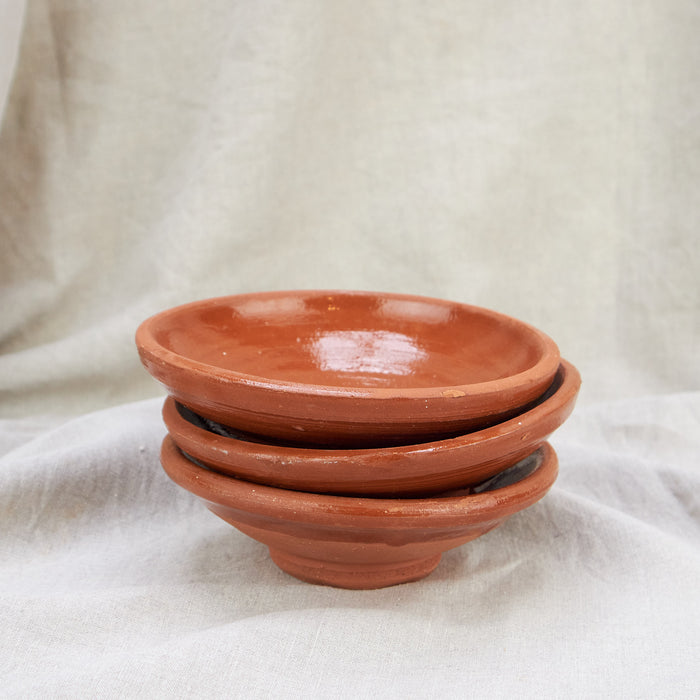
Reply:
x=346 y=369
x=351 y=340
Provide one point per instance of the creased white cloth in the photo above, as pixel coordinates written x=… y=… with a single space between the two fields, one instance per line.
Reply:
x=114 y=582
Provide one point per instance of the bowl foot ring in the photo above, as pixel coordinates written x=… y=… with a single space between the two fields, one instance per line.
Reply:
x=356 y=575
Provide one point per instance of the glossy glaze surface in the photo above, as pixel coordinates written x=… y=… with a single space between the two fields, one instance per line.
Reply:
x=346 y=368
x=408 y=470
x=358 y=542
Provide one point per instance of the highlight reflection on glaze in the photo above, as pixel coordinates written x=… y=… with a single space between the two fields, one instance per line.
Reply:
x=371 y=352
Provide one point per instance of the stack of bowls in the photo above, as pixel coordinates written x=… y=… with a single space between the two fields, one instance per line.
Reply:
x=357 y=435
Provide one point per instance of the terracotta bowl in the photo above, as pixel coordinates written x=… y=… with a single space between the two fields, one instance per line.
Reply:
x=409 y=470
x=347 y=368
x=362 y=542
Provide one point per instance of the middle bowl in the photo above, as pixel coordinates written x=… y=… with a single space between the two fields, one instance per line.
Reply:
x=408 y=470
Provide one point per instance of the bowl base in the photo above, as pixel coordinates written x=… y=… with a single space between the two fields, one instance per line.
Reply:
x=357 y=576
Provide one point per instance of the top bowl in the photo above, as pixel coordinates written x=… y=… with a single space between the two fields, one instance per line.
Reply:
x=347 y=368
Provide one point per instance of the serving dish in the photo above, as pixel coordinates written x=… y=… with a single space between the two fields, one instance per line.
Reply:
x=347 y=369
x=408 y=470
x=362 y=542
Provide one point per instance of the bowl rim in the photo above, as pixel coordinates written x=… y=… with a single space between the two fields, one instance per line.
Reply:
x=562 y=395
x=358 y=512
x=546 y=364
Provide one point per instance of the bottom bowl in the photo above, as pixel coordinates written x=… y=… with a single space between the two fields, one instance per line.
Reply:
x=363 y=542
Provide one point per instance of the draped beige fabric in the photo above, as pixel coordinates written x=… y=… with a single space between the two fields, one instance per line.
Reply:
x=540 y=159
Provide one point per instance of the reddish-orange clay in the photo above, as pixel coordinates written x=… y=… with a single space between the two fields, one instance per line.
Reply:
x=362 y=542
x=408 y=470
x=347 y=369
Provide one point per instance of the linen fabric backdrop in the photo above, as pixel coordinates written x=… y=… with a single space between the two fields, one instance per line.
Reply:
x=538 y=158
